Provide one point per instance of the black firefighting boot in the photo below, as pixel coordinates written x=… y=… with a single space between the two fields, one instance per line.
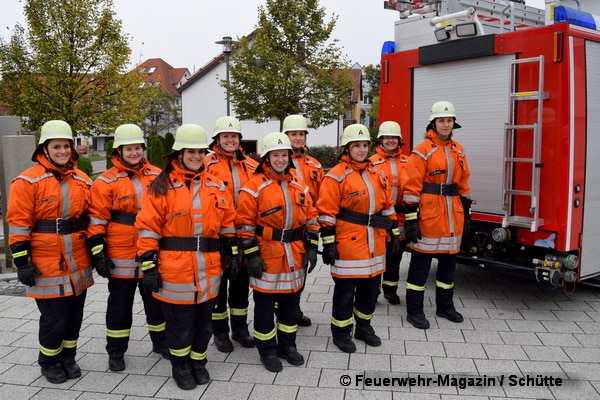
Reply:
x=366 y=333
x=116 y=361
x=414 y=308
x=389 y=293
x=182 y=373
x=71 y=368
x=54 y=372
x=200 y=372
x=445 y=305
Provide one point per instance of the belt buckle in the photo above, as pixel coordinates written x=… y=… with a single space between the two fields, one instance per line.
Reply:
x=369 y=216
x=283 y=233
x=58 y=225
x=198 y=243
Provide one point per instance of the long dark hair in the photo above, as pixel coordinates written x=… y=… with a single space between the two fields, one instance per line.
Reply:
x=162 y=183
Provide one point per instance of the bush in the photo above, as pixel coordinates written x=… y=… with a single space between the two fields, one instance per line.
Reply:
x=85 y=165
x=169 y=140
x=326 y=155
x=109 y=147
x=155 y=152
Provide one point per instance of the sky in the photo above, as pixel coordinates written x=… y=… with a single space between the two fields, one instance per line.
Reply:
x=183 y=32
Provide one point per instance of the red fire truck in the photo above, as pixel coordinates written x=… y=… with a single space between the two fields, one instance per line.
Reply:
x=525 y=83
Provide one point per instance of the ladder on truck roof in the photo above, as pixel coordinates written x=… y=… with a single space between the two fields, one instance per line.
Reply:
x=505 y=13
x=513 y=132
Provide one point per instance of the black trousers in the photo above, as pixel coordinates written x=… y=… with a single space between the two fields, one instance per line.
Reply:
x=60 y=323
x=418 y=272
x=119 y=314
x=189 y=329
x=287 y=312
x=391 y=276
x=353 y=296
x=235 y=294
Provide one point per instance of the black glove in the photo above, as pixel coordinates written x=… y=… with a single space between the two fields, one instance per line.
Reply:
x=411 y=223
x=330 y=253
x=311 y=244
x=100 y=261
x=230 y=253
x=395 y=245
x=151 y=279
x=466 y=203
x=255 y=264
x=26 y=270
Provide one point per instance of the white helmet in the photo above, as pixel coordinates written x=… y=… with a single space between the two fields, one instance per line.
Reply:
x=389 y=128
x=227 y=124
x=355 y=133
x=128 y=134
x=275 y=141
x=442 y=109
x=55 y=129
x=295 y=122
x=190 y=136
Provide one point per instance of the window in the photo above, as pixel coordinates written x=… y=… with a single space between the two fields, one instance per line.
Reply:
x=151 y=70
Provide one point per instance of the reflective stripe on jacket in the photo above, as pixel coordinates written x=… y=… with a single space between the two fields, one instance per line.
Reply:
x=119 y=189
x=276 y=202
x=362 y=188
x=309 y=170
x=42 y=192
x=440 y=217
x=205 y=208
x=233 y=172
x=392 y=166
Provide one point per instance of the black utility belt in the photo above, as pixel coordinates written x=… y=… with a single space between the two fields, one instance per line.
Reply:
x=60 y=226
x=122 y=217
x=441 y=189
x=282 y=235
x=195 y=243
x=374 y=220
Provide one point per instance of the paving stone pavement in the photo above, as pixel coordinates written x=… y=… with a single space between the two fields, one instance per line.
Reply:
x=518 y=338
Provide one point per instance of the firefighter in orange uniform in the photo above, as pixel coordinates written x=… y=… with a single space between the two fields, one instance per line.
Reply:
x=356 y=212
x=437 y=207
x=390 y=160
x=185 y=213
x=306 y=168
x=277 y=224
x=47 y=206
x=116 y=196
x=228 y=163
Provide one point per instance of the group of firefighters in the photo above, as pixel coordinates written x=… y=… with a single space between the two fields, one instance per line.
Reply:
x=196 y=236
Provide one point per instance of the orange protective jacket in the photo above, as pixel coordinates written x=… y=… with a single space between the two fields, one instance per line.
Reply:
x=196 y=205
x=362 y=188
x=42 y=192
x=232 y=171
x=309 y=170
x=392 y=165
x=116 y=198
x=276 y=202
x=441 y=218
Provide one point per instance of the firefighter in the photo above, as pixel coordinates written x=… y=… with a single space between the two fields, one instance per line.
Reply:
x=277 y=224
x=306 y=168
x=116 y=196
x=390 y=160
x=46 y=215
x=356 y=212
x=186 y=213
x=228 y=163
x=437 y=206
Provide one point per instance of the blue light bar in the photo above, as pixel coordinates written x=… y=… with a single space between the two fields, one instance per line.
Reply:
x=576 y=17
x=388 y=47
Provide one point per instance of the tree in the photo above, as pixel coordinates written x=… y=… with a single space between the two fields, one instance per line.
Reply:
x=70 y=64
x=372 y=78
x=162 y=114
x=290 y=65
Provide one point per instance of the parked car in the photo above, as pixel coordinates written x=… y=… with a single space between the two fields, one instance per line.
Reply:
x=82 y=149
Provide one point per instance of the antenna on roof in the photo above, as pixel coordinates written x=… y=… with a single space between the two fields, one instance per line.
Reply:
x=140 y=56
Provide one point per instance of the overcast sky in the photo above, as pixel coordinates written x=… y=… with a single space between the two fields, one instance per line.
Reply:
x=184 y=32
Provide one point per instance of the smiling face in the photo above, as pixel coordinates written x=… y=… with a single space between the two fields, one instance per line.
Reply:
x=192 y=159
x=443 y=127
x=59 y=151
x=298 y=139
x=132 y=154
x=390 y=143
x=279 y=160
x=229 y=141
x=358 y=151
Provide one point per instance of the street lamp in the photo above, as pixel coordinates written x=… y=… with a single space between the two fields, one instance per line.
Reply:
x=227 y=43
